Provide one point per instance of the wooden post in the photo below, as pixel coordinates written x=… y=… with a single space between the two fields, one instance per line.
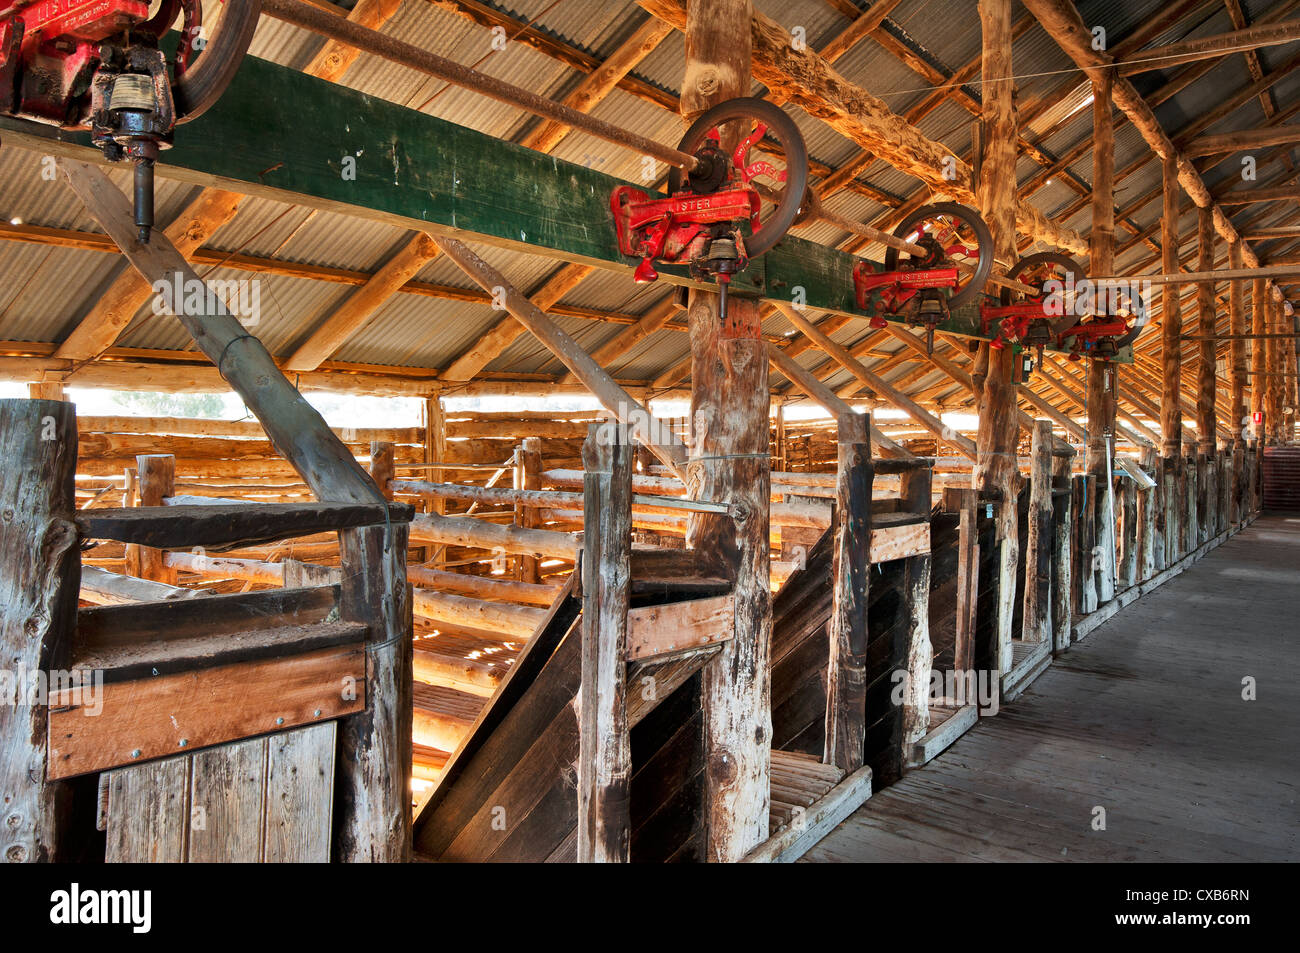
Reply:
x=1086 y=543
x=1037 y=624
x=435 y=451
x=45 y=390
x=968 y=563
x=373 y=789
x=528 y=476
x=1101 y=382
x=1273 y=373
x=605 y=754
x=1171 y=327
x=846 y=677
x=996 y=466
x=1062 y=557
x=1192 y=525
x=1237 y=381
x=729 y=447
x=381 y=466
x=1128 y=563
x=157 y=475
x=40 y=578
x=1150 y=545
x=1258 y=354
x=1205 y=395
x=1157 y=505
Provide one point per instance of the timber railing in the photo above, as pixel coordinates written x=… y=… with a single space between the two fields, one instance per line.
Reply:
x=156 y=684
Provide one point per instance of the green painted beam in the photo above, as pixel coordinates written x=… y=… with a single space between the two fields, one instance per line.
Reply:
x=280 y=134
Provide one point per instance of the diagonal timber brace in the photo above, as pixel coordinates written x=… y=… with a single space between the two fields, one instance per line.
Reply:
x=295 y=428
x=653 y=433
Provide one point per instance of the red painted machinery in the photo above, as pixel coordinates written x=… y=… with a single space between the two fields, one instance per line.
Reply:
x=713 y=219
x=951 y=260
x=1064 y=311
x=96 y=64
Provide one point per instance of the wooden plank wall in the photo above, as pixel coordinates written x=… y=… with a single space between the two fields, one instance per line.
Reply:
x=265 y=799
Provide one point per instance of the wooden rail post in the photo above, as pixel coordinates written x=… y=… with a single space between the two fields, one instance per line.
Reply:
x=435 y=451
x=605 y=754
x=730 y=464
x=1156 y=504
x=1128 y=561
x=846 y=678
x=1037 y=623
x=373 y=789
x=1085 y=563
x=968 y=571
x=381 y=466
x=528 y=476
x=40 y=578
x=1062 y=556
x=1148 y=511
x=157 y=475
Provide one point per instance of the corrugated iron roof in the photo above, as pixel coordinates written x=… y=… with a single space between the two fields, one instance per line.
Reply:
x=40 y=302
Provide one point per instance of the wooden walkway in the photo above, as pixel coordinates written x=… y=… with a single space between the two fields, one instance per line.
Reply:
x=1144 y=719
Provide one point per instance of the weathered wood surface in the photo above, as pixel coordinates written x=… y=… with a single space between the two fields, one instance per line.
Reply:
x=155 y=624
x=846 y=689
x=467 y=531
x=156 y=474
x=1085 y=556
x=126 y=662
x=267 y=799
x=484 y=587
x=222 y=526
x=510 y=620
x=1037 y=625
x=917 y=652
x=1063 y=518
x=676 y=627
x=730 y=463
x=604 y=749
x=968 y=560
x=38 y=607
x=374 y=789
x=160 y=715
x=110 y=588
x=527 y=474
x=1171 y=321
x=502 y=731
x=1206 y=319
x=1111 y=715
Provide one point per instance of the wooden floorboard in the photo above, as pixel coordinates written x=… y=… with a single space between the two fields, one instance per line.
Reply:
x=1145 y=719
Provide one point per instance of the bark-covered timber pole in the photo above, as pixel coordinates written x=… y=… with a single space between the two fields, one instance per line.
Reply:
x=996 y=466
x=729 y=450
